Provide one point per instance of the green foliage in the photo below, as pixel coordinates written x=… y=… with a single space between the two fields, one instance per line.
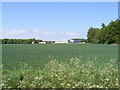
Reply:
x=103 y=25
x=106 y=35
x=49 y=42
x=93 y=35
x=74 y=74
x=20 y=41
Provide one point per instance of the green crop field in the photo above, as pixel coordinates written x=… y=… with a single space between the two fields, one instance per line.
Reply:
x=60 y=66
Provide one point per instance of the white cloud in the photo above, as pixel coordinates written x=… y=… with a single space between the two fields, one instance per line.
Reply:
x=50 y=33
x=46 y=33
x=38 y=34
x=14 y=32
x=35 y=30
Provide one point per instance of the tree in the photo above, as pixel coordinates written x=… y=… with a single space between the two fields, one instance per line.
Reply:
x=93 y=34
x=5 y=41
x=103 y=25
x=19 y=41
x=106 y=35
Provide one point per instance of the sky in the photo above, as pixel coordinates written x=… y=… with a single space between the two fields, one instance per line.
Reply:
x=55 y=20
x=59 y=0
x=119 y=9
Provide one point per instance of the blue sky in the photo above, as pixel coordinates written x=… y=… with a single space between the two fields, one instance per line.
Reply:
x=55 y=20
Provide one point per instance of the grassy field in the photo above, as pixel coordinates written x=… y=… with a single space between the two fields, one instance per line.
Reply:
x=60 y=66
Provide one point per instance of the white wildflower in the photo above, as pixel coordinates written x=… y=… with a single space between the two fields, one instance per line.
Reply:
x=107 y=79
x=90 y=86
x=61 y=83
x=2 y=84
x=36 y=77
x=68 y=84
x=80 y=82
x=94 y=85
x=97 y=86
x=76 y=84
x=117 y=84
x=101 y=86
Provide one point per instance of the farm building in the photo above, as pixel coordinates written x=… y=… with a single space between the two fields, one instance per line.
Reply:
x=42 y=42
x=61 y=41
x=69 y=41
x=75 y=41
x=33 y=42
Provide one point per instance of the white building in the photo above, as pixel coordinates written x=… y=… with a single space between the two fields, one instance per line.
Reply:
x=61 y=41
x=42 y=42
x=76 y=41
x=72 y=41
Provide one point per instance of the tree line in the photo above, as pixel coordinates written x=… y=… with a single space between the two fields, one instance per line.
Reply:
x=106 y=35
x=20 y=41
